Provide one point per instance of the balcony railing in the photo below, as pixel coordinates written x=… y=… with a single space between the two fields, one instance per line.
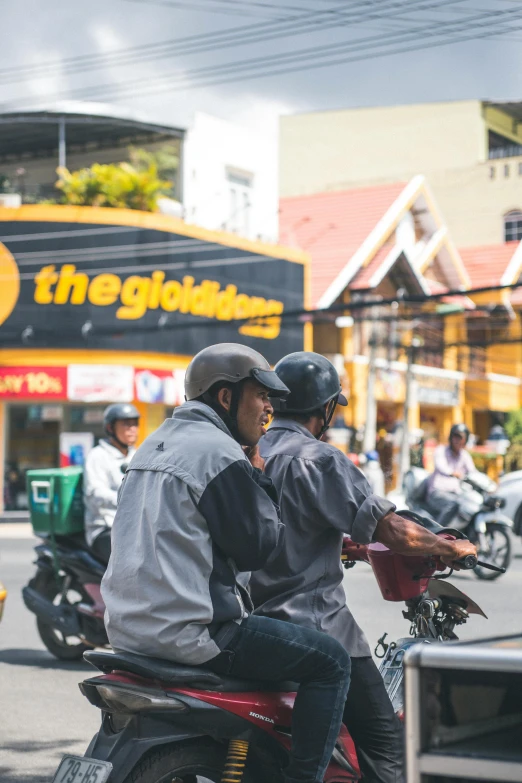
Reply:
x=511 y=151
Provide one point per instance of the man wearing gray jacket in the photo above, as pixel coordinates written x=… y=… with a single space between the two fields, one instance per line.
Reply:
x=322 y=496
x=193 y=513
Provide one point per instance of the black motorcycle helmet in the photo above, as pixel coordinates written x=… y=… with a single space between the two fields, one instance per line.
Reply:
x=314 y=384
x=459 y=429
x=115 y=412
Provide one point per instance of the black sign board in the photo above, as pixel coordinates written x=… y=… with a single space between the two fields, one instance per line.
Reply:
x=125 y=287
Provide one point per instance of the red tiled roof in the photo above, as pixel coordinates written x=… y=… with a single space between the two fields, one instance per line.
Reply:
x=486 y=264
x=362 y=279
x=332 y=226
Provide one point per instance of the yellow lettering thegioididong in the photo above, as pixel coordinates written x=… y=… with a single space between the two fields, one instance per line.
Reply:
x=137 y=294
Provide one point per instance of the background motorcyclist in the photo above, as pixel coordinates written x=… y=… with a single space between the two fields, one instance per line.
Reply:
x=103 y=473
x=193 y=513
x=322 y=496
x=452 y=464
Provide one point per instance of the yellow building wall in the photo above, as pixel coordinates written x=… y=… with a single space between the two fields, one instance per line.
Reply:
x=445 y=142
x=379 y=144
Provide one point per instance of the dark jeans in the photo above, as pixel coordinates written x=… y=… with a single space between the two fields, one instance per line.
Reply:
x=443 y=506
x=267 y=649
x=373 y=725
x=101 y=546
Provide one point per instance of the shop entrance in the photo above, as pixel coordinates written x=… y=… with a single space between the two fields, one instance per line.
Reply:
x=33 y=441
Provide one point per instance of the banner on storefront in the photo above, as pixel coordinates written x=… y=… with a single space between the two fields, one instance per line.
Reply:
x=32 y=382
x=124 y=287
x=100 y=383
x=162 y=386
x=74 y=448
x=389 y=385
x=434 y=390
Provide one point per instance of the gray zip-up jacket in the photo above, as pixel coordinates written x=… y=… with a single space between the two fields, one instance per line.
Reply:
x=192 y=514
x=322 y=495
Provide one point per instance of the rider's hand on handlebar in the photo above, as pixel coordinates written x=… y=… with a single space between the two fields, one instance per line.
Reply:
x=461 y=548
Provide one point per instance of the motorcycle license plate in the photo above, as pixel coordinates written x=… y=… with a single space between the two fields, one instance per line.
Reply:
x=79 y=769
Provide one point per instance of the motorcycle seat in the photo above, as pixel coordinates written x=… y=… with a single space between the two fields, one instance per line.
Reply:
x=178 y=674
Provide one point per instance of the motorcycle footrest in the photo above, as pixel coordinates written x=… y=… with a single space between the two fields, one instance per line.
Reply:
x=62 y=617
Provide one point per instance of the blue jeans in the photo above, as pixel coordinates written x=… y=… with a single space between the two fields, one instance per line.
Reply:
x=272 y=650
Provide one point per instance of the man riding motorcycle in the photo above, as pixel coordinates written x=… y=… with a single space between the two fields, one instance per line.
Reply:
x=193 y=512
x=103 y=474
x=452 y=464
x=323 y=496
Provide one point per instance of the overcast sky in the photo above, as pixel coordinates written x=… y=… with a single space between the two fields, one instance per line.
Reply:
x=39 y=36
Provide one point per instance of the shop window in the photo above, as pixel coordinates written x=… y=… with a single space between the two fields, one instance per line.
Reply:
x=513 y=226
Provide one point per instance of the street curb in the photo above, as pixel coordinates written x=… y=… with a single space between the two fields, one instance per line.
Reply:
x=16 y=530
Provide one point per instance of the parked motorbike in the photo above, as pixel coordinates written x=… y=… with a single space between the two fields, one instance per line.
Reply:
x=162 y=721
x=480 y=517
x=64 y=594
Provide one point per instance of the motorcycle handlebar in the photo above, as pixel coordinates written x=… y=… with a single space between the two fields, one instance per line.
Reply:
x=470 y=561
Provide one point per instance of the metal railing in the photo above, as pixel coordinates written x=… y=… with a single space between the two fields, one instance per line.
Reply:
x=511 y=151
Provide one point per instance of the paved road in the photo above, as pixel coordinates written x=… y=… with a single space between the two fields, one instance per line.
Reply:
x=44 y=715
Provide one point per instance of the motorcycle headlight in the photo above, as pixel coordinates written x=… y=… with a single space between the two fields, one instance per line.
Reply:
x=494 y=502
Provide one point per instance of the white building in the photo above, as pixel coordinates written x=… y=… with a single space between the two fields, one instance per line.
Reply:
x=227 y=179
x=230 y=178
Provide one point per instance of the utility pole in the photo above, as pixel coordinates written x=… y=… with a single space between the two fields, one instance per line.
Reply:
x=409 y=399
x=370 y=428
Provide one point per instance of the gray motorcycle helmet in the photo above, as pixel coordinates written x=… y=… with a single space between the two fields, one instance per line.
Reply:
x=114 y=412
x=230 y=363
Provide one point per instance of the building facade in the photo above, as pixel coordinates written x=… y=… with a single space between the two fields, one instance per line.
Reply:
x=469 y=151
x=224 y=176
x=107 y=305
x=379 y=243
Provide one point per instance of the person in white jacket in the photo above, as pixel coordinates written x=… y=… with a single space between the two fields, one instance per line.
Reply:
x=103 y=473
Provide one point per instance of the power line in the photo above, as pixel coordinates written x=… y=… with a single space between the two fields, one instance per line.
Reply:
x=264 y=66
x=306 y=59
x=313 y=21
x=190 y=5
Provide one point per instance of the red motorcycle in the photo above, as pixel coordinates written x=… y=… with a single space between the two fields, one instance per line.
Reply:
x=163 y=722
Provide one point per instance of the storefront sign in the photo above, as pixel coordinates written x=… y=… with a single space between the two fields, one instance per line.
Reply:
x=100 y=382
x=160 y=386
x=29 y=382
x=126 y=287
x=434 y=390
x=389 y=385
x=74 y=447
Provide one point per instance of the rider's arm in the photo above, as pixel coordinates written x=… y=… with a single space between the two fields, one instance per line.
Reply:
x=407 y=538
x=340 y=495
x=240 y=508
x=97 y=480
x=470 y=465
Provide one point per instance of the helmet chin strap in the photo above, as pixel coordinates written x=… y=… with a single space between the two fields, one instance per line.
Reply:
x=228 y=417
x=327 y=413
x=113 y=436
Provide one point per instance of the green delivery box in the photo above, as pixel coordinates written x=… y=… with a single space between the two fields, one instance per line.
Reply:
x=56 y=500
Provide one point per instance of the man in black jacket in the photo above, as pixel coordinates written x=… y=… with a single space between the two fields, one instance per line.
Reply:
x=322 y=496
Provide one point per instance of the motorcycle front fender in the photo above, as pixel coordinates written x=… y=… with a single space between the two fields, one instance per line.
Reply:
x=485 y=518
